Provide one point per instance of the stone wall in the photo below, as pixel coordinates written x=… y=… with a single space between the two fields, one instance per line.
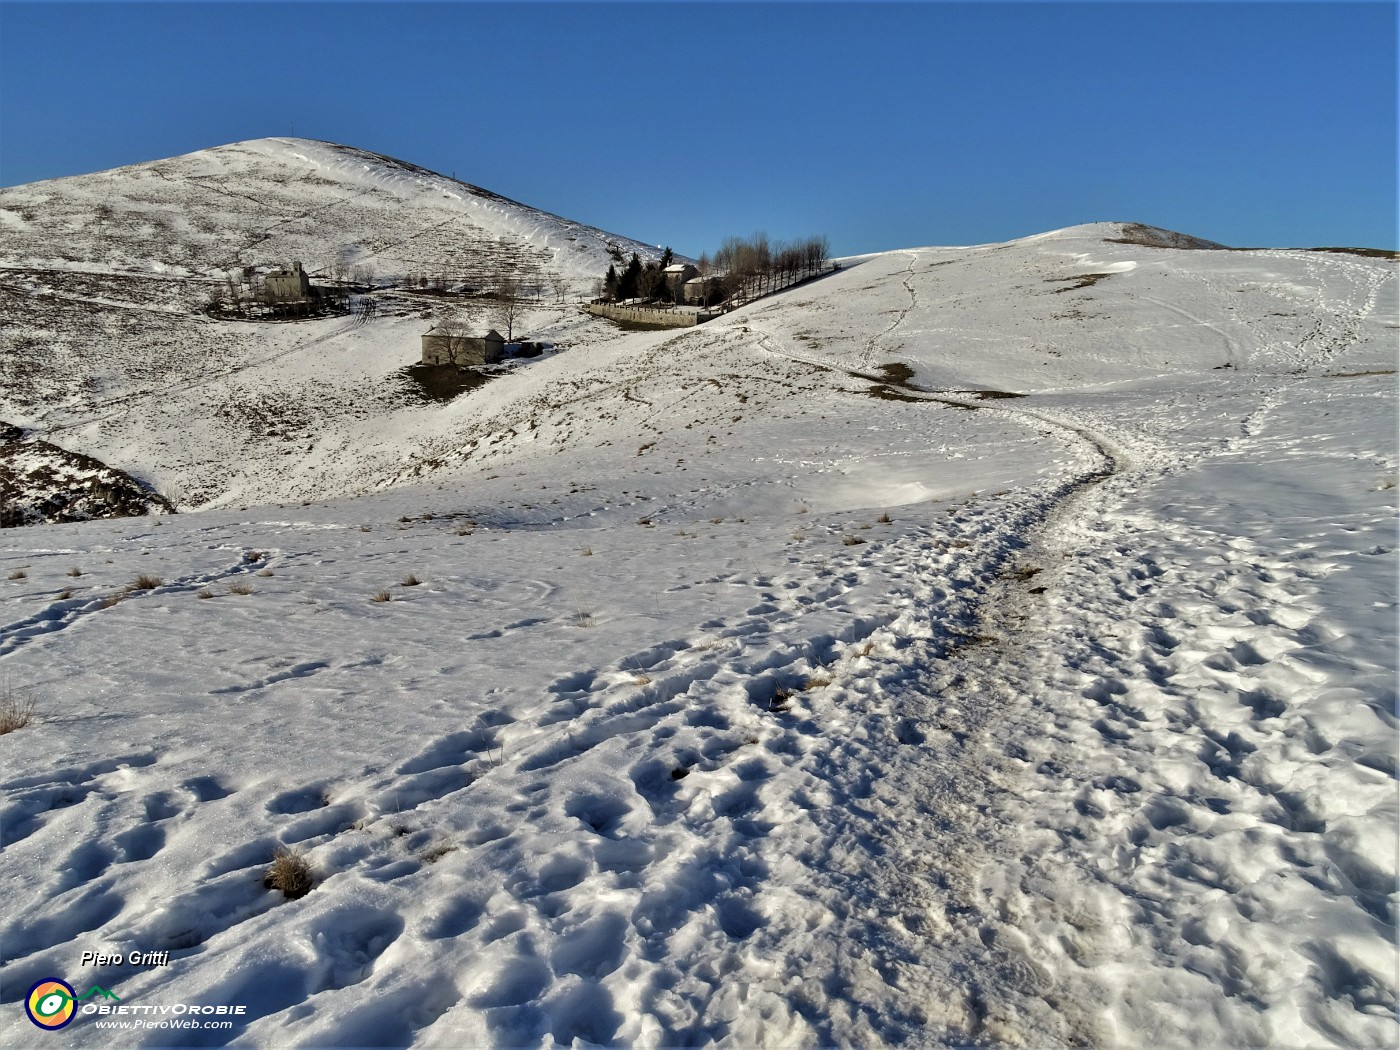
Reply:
x=662 y=318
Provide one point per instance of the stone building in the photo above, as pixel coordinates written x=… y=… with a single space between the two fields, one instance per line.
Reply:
x=677 y=274
x=705 y=291
x=288 y=286
x=453 y=346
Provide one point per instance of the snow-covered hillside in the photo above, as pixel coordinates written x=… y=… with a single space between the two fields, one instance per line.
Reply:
x=105 y=280
x=984 y=645
x=268 y=201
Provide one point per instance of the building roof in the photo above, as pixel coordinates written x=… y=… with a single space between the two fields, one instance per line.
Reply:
x=453 y=332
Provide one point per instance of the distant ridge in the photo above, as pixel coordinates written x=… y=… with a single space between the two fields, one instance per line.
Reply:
x=1156 y=237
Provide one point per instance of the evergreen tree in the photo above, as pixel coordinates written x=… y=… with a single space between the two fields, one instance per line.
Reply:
x=627 y=284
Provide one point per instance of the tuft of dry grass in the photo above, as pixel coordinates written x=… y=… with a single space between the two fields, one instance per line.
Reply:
x=75 y=571
x=851 y=541
x=816 y=681
x=584 y=618
x=381 y=596
x=146 y=583
x=410 y=580
x=112 y=600
x=437 y=851
x=264 y=573
x=19 y=574
x=16 y=711
x=884 y=518
x=587 y=552
x=290 y=872
x=204 y=593
x=240 y=588
x=65 y=594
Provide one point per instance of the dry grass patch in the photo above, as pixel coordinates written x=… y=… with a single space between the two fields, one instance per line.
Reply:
x=65 y=594
x=851 y=541
x=146 y=583
x=16 y=711
x=381 y=596
x=290 y=872
x=410 y=580
x=75 y=571
x=240 y=588
x=19 y=574
x=204 y=593
x=437 y=851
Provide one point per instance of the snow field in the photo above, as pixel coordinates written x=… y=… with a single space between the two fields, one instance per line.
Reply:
x=677 y=741
x=509 y=677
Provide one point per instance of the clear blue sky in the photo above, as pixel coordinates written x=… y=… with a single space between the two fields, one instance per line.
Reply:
x=881 y=125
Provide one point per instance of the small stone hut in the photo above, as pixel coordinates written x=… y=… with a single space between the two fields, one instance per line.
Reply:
x=453 y=346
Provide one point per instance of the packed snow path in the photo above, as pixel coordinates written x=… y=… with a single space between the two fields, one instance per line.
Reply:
x=741 y=699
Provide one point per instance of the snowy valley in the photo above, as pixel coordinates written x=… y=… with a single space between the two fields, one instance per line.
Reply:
x=984 y=645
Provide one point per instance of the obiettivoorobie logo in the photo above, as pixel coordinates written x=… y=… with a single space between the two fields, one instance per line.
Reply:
x=51 y=1003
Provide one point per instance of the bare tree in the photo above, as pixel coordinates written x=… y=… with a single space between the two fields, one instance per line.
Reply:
x=506 y=309
x=454 y=329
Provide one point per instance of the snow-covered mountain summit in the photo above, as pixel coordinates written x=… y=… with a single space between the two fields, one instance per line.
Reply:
x=265 y=201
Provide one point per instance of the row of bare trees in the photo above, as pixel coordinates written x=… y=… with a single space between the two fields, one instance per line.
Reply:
x=527 y=280
x=752 y=266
